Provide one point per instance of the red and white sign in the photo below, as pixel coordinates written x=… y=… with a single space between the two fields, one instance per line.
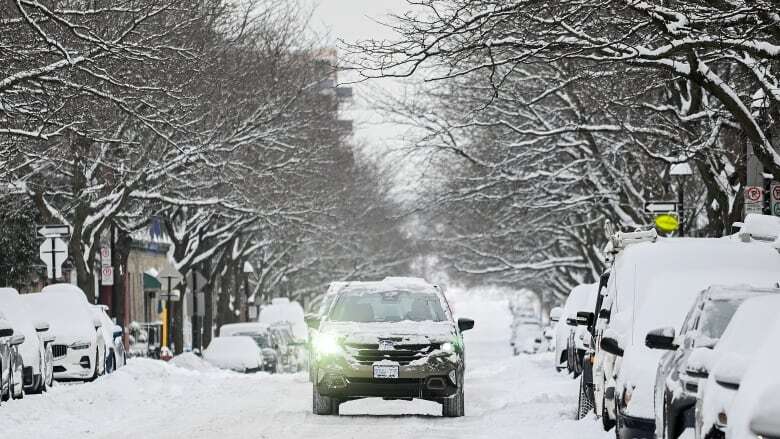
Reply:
x=754 y=194
x=105 y=256
x=775 y=198
x=107 y=276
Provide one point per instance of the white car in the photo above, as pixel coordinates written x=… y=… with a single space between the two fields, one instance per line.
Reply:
x=237 y=353
x=580 y=299
x=756 y=409
x=112 y=336
x=36 y=350
x=78 y=347
x=728 y=362
x=652 y=286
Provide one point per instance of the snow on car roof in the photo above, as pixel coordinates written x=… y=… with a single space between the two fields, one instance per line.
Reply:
x=250 y=327
x=65 y=309
x=717 y=261
x=291 y=312
x=580 y=299
x=761 y=227
x=233 y=352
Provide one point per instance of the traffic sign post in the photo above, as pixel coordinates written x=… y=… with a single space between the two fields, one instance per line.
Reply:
x=107 y=276
x=660 y=206
x=754 y=200
x=197 y=282
x=774 y=193
x=53 y=253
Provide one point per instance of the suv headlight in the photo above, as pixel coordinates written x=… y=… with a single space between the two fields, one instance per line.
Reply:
x=79 y=345
x=327 y=344
x=447 y=348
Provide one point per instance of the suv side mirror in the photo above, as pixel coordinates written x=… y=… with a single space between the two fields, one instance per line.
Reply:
x=729 y=370
x=465 y=324
x=611 y=345
x=661 y=338
x=17 y=339
x=5 y=329
x=605 y=313
x=584 y=318
x=41 y=326
x=556 y=313
x=312 y=321
x=698 y=363
x=118 y=331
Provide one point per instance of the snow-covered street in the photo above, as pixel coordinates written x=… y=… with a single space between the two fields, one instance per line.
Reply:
x=506 y=397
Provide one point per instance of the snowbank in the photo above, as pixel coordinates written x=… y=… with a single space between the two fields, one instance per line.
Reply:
x=190 y=361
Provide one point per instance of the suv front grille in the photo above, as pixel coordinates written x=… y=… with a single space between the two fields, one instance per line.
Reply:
x=59 y=350
x=403 y=354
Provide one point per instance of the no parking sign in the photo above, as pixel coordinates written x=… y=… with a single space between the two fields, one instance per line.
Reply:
x=774 y=192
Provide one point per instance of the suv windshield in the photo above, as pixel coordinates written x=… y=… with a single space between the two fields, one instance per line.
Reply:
x=387 y=306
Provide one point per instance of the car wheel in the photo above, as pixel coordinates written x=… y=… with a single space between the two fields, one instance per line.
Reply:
x=585 y=401
x=324 y=405
x=20 y=393
x=454 y=407
x=110 y=363
x=607 y=423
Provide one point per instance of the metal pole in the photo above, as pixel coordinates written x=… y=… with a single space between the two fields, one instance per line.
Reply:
x=246 y=294
x=168 y=315
x=681 y=202
x=195 y=325
x=53 y=260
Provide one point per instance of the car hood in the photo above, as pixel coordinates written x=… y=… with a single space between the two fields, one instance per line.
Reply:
x=409 y=332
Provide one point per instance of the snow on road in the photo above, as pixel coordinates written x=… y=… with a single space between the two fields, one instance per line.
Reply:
x=506 y=397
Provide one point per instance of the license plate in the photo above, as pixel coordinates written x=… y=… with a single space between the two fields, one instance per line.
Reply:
x=386 y=372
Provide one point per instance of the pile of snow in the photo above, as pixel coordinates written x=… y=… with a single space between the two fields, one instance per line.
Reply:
x=281 y=310
x=190 y=361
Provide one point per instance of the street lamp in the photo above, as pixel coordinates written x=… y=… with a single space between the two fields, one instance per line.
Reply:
x=680 y=171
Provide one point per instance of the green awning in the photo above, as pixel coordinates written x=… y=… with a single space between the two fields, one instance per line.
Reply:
x=151 y=283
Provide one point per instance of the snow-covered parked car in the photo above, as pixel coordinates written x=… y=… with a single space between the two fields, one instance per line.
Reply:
x=678 y=379
x=237 y=353
x=78 y=347
x=526 y=333
x=289 y=332
x=114 y=349
x=36 y=350
x=260 y=333
x=755 y=411
x=654 y=285
x=10 y=361
x=569 y=336
x=727 y=363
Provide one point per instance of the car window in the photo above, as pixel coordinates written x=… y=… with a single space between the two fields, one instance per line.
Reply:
x=715 y=317
x=260 y=339
x=387 y=306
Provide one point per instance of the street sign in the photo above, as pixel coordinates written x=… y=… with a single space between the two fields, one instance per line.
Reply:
x=660 y=206
x=53 y=253
x=754 y=194
x=166 y=274
x=774 y=193
x=174 y=296
x=196 y=281
x=107 y=276
x=200 y=304
x=667 y=223
x=54 y=230
x=105 y=256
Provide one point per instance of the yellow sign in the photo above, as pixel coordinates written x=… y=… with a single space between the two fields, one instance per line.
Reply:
x=667 y=223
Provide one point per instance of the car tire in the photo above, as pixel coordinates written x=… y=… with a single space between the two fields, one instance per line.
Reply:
x=454 y=407
x=324 y=405
x=606 y=423
x=110 y=363
x=585 y=402
x=19 y=395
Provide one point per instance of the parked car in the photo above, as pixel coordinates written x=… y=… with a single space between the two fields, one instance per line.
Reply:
x=590 y=325
x=654 y=285
x=237 y=353
x=527 y=336
x=10 y=361
x=393 y=339
x=36 y=360
x=288 y=327
x=726 y=365
x=78 y=347
x=114 y=349
x=677 y=380
x=569 y=337
x=756 y=408
x=261 y=334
